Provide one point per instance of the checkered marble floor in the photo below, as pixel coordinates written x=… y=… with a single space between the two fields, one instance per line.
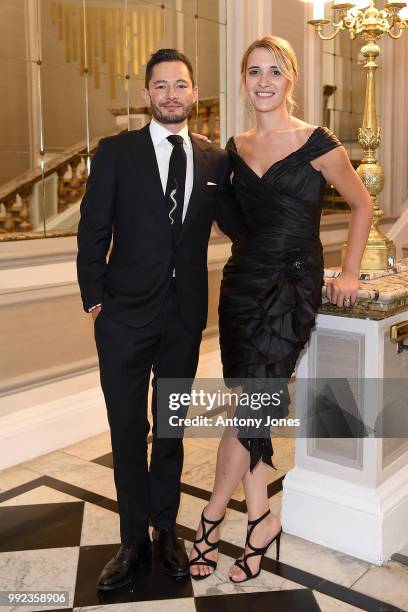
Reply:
x=59 y=526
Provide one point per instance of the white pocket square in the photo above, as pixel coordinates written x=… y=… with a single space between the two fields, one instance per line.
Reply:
x=210 y=183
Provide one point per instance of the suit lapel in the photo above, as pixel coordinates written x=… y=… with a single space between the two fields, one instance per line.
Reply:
x=144 y=155
x=200 y=156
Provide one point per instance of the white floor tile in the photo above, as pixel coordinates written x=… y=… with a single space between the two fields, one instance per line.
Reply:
x=76 y=471
x=91 y=448
x=99 y=526
x=388 y=582
x=16 y=476
x=329 y=604
x=319 y=560
x=39 y=570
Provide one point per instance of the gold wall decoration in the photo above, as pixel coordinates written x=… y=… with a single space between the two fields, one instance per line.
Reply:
x=135 y=44
x=150 y=36
x=81 y=44
x=60 y=22
x=158 y=24
x=89 y=54
x=111 y=55
x=143 y=38
x=53 y=12
x=117 y=41
x=74 y=16
x=103 y=35
x=68 y=33
x=95 y=23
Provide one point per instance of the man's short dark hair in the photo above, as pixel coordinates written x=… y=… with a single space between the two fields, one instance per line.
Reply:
x=167 y=55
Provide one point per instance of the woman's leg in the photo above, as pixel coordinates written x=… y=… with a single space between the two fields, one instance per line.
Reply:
x=256 y=496
x=232 y=467
x=232 y=464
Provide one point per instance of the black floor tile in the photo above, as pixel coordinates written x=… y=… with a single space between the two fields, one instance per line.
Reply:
x=275 y=486
x=40 y=526
x=149 y=582
x=297 y=600
x=354 y=598
x=401 y=558
x=105 y=460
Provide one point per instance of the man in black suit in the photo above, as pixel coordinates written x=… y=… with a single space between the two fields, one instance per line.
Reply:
x=156 y=191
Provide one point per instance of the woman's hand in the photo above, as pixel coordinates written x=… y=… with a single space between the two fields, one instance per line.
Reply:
x=200 y=137
x=342 y=290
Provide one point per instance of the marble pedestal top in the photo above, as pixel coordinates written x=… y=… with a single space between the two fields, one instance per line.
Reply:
x=381 y=294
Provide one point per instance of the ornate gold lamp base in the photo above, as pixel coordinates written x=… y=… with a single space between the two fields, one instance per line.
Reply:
x=379 y=254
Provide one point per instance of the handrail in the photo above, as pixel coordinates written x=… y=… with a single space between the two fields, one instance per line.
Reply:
x=16 y=208
x=30 y=177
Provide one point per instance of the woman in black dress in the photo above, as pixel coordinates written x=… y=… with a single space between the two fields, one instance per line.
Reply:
x=272 y=284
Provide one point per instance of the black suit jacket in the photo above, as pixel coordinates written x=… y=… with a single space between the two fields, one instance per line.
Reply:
x=124 y=202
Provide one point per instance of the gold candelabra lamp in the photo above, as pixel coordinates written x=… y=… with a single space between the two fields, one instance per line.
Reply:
x=371 y=23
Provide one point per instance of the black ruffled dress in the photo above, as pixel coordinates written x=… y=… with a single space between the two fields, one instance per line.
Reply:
x=272 y=283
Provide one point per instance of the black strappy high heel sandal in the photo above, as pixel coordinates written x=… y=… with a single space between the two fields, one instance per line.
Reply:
x=211 y=546
x=242 y=564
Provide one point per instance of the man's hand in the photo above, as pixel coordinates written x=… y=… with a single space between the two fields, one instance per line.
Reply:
x=95 y=312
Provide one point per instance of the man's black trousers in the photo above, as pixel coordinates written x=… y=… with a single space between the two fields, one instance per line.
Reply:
x=126 y=357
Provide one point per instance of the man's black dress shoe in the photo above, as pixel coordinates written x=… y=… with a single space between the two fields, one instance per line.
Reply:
x=119 y=570
x=171 y=552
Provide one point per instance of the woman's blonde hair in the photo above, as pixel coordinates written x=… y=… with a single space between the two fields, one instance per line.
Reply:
x=285 y=58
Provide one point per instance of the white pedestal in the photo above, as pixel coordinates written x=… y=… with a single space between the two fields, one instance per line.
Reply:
x=350 y=494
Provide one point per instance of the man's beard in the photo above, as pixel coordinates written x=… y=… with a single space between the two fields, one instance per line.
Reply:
x=177 y=116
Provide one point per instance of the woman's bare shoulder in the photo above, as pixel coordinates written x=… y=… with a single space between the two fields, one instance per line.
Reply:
x=303 y=127
x=242 y=138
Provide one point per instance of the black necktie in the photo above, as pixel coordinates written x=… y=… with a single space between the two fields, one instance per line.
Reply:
x=176 y=183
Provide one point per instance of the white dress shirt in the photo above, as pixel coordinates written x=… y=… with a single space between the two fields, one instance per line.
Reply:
x=163 y=149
